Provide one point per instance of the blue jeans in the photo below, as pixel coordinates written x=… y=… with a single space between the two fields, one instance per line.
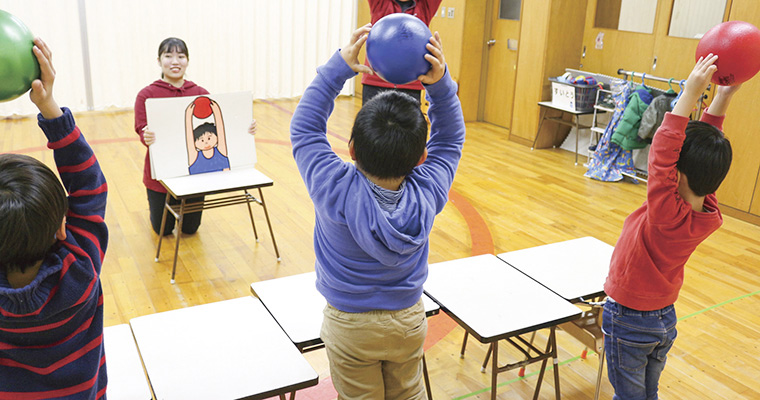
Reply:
x=637 y=344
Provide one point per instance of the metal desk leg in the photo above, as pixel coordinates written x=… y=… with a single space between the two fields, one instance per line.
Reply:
x=250 y=214
x=427 y=378
x=555 y=358
x=485 y=362
x=543 y=112
x=599 y=374
x=521 y=373
x=494 y=368
x=179 y=235
x=266 y=214
x=577 y=133
x=163 y=225
x=551 y=344
x=464 y=344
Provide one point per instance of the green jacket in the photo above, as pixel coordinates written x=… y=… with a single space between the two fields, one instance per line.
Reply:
x=626 y=133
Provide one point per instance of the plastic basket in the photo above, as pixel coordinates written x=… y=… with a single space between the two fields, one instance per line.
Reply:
x=573 y=96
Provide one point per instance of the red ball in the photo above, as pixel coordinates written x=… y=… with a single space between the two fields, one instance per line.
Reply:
x=202 y=107
x=737 y=44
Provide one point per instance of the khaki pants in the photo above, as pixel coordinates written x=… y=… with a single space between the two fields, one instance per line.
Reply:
x=376 y=354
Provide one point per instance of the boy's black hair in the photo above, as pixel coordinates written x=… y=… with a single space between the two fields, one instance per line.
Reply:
x=32 y=207
x=173 y=44
x=389 y=135
x=705 y=157
x=203 y=128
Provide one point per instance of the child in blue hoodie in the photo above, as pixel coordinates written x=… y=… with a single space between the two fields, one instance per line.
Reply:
x=374 y=217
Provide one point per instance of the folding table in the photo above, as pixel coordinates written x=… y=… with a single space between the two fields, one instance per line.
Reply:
x=231 y=349
x=493 y=301
x=575 y=270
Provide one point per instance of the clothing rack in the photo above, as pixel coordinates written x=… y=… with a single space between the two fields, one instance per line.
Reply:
x=645 y=76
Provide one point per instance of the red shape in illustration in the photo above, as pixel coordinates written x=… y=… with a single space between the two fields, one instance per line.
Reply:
x=202 y=107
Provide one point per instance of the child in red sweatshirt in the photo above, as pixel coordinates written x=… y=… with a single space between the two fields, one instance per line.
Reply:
x=687 y=162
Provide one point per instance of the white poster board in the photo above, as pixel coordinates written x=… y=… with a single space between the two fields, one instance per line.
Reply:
x=226 y=145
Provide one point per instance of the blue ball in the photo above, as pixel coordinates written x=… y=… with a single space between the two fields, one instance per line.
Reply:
x=396 y=48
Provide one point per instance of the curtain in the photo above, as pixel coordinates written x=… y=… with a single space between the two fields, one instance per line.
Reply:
x=270 y=48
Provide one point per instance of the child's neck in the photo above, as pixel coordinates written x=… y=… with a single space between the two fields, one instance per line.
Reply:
x=385 y=183
x=19 y=279
x=388 y=183
x=697 y=202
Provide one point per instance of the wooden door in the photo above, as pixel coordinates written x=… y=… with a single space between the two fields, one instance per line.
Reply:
x=502 y=66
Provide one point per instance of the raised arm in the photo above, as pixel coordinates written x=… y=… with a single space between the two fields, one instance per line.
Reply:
x=447 y=129
x=308 y=128
x=696 y=84
x=665 y=207
x=723 y=96
x=192 y=153
x=221 y=143
x=79 y=169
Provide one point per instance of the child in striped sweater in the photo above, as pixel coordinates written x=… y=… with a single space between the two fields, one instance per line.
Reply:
x=51 y=251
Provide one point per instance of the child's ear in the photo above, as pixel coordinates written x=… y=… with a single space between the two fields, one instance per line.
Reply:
x=60 y=234
x=423 y=157
x=351 y=149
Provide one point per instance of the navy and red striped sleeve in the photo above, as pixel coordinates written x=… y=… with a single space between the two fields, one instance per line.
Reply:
x=84 y=181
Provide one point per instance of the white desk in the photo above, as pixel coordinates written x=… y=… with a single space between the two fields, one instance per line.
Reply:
x=493 y=301
x=231 y=349
x=576 y=270
x=297 y=305
x=126 y=378
x=222 y=182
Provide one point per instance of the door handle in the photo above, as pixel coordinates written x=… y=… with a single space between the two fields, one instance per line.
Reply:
x=491 y=42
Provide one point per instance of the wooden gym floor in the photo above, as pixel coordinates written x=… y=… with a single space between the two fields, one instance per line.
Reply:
x=505 y=197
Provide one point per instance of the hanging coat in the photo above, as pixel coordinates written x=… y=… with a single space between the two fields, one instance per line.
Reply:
x=653 y=115
x=626 y=134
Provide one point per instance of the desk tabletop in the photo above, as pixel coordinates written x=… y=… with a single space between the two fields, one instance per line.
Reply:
x=494 y=301
x=572 y=269
x=216 y=182
x=297 y=305
x=231 y=349
x=549 y=104
x=126 y=378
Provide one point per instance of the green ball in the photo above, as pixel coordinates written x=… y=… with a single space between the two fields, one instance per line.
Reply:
x=18 y=64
